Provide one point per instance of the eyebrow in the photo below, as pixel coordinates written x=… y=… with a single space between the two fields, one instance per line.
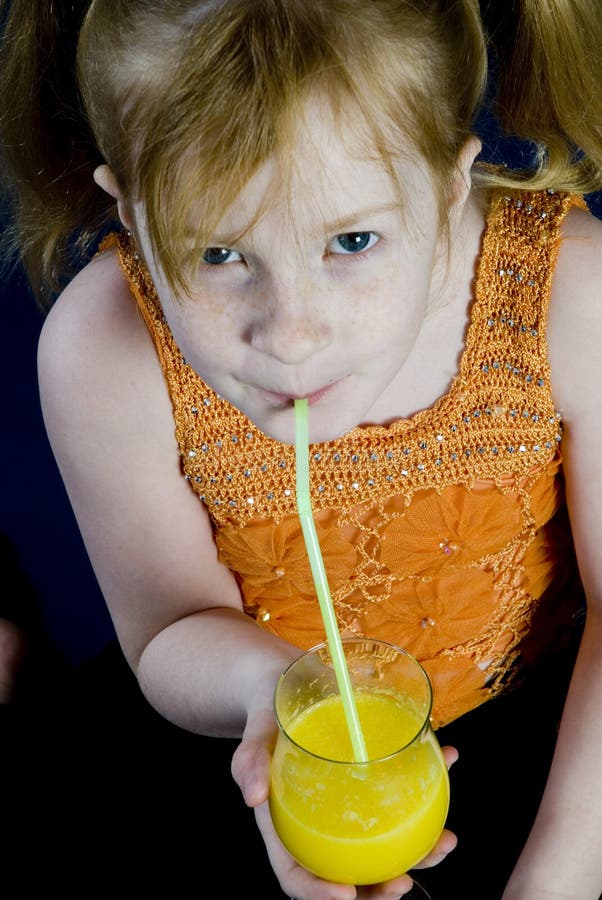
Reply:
x=337 y=226
x=346 y=223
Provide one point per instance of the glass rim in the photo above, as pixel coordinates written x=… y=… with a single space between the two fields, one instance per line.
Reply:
x=323 y=645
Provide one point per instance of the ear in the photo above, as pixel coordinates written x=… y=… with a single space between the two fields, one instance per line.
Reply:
x=105 y=179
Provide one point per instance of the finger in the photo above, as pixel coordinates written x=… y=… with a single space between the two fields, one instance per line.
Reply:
x=12 y=651
x=294 y=880
x=251 y=760
x=450 y=755
x=446 y=843
x=388 y=890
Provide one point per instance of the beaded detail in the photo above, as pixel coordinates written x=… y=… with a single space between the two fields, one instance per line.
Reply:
x=439 y=532
x=497 y=418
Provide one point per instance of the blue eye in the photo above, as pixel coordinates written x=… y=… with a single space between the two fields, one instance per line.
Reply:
x=217 y=256
x=353 y=242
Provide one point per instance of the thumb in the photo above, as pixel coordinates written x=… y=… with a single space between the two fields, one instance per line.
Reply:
x=251 y=760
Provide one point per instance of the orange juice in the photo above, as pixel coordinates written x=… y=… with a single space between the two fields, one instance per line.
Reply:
x=359 y=823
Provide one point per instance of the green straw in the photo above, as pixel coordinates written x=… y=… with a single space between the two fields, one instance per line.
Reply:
x=321 y=583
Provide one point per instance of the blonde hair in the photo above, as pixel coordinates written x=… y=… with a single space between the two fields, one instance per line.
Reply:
x=186 y=99
x=550 y=89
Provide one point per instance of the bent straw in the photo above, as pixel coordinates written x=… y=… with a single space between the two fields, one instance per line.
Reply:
x=321 y=583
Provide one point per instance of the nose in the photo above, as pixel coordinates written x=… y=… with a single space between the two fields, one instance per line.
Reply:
x=292 y=322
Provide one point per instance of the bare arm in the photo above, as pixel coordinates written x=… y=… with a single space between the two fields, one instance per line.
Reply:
x=563 y=856
x=177 y=611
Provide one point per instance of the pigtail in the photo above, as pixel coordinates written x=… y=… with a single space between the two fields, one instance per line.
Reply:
x=47 y=152
x=549 y=60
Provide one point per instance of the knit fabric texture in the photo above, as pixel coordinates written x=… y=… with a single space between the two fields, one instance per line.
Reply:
x=445 y=533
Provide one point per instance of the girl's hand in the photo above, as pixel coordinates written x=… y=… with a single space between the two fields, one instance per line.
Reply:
x=251 y=771
x=12 y=652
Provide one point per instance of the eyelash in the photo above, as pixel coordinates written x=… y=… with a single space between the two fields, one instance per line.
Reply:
x=358 y=237
x=221 y=255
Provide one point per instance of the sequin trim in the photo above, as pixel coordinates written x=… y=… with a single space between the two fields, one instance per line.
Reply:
x=497 y=419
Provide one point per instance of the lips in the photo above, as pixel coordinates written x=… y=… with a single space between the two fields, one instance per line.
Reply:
x=316 y=396
x=288 y=399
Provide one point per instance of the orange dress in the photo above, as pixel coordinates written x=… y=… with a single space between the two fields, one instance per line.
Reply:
x=445 y=533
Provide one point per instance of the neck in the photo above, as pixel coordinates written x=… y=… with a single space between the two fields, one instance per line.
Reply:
x=458 y=255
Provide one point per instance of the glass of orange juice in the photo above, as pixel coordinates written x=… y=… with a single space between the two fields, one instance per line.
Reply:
x=348 y=821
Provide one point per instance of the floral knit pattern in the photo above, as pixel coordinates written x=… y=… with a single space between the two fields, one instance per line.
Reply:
x=444 y=533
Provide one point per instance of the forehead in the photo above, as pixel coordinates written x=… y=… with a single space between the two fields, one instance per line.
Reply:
x=327 y=176
x=329 y=168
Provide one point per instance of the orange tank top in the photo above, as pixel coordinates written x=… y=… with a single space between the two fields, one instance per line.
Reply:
x=445 y=533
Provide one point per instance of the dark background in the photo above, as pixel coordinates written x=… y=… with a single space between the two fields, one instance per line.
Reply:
x=35 y=515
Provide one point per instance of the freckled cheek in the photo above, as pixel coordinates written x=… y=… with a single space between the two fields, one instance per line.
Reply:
x=204 y=331
x=202 y=308
x=382 y=309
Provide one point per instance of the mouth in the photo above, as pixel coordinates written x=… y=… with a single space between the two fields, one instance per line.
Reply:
x=312 y=397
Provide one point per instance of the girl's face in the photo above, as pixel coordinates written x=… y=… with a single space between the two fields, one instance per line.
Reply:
x=324 y=295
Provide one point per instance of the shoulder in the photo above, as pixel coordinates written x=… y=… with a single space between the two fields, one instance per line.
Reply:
x=576 y=289
x=575 y=317
x=93 y=305
x=574 y=346
x=95 y=352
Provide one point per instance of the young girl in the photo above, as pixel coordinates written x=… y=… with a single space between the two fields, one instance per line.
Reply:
x=302 y=215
